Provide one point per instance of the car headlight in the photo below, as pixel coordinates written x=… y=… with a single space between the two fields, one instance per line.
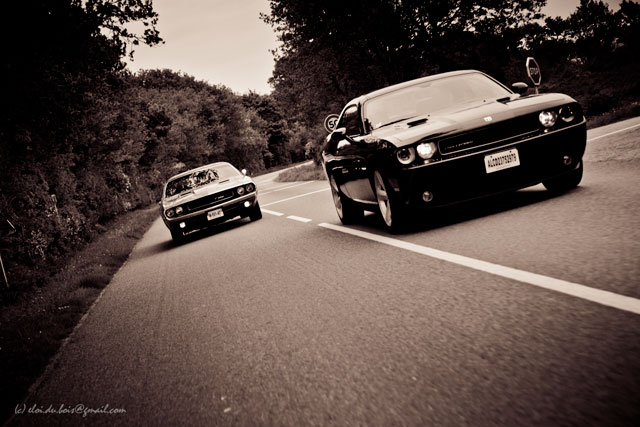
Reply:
x=179 y=210
x=240 y=191
x=567 y=113
x=406 y=155
x=169 y=213
x=250 y=187
x=548 y=118
x=426 y=150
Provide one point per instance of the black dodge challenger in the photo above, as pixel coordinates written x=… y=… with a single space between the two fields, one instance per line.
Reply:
x=449 y=138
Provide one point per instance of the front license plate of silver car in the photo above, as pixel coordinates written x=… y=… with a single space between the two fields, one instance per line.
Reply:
x=216 y=213
x=502 y=160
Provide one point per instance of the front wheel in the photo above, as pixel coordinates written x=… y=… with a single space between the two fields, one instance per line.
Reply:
x=347 y=212
x=392 y=213
x=177 y=236
x=566 y=181
x=256 y=213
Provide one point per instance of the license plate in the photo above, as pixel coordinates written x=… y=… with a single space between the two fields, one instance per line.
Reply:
x=216 y=213
x=502 y=160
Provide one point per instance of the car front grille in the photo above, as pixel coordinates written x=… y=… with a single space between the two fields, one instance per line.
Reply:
x=210 y=200
x=492 y=135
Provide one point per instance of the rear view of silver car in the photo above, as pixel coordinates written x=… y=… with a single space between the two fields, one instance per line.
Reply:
x=207 y=196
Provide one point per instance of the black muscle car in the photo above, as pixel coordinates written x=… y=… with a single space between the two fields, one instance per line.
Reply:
x=207 y=196
x=449 y=138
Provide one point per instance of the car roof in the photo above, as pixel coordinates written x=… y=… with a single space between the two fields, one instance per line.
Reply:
x=199 y=168
x=408 y=83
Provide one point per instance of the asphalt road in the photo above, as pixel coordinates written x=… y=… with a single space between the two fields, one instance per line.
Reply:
x=518 y=310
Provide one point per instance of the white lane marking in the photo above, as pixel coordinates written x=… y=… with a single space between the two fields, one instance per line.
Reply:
x=299 y=218
x=284 y=187
x=612 y=133
x=295 y=197
x=271 y=212
x=599 y=296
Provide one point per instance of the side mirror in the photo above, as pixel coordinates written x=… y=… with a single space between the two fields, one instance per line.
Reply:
x=244 y=171
x=520 y=88
x=338 y=134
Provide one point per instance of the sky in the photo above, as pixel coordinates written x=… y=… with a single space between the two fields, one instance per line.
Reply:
x=225 y=42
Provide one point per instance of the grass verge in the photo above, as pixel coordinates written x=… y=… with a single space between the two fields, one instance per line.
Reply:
x=307 y=172
x=34 y=324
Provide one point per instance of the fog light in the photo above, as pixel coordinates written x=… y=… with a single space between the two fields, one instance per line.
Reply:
x=427 y=196
x=183 y=225
x=567 y=160
x=247 y=204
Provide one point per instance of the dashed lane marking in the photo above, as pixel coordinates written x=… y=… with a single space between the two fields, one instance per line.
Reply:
x=599 y=296
x=299 y=218
x=267 y=211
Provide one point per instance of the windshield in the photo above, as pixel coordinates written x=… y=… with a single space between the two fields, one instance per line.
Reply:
x=425 y=98
x=200 y=178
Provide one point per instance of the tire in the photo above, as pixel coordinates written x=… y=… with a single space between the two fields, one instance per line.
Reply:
x=177 y=236
x=347 y=212
x=255 y=213
x=566 y=181
x=392 y=213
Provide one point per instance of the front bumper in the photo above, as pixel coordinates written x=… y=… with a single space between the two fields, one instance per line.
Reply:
x=465 y=177
x=198 y=220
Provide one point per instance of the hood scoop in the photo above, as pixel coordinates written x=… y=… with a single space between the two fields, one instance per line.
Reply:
x=417 y=122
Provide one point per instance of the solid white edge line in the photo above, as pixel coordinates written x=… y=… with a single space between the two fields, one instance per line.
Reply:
x=295 y=197
x=284 y=187
x=299 y=218
x=612 y=133
x=267 y=211
x=599 y=296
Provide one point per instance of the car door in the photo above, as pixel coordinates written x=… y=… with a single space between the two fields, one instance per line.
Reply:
x=358 y=150
x=344 y=166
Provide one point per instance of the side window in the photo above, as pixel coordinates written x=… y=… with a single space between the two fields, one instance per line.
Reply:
x=351 y=121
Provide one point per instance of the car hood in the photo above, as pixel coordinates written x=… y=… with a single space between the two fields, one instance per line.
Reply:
x=206 y=190
x=468 y=117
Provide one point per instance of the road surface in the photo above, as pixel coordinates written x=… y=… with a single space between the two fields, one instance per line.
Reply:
x=518 y=310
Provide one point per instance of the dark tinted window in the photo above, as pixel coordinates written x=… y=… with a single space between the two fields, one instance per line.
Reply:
x=431 y=96
x=200 y=178
x=351 y=121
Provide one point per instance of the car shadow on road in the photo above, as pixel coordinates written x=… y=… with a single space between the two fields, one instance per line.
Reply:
x=167 y=245
x=471 y=210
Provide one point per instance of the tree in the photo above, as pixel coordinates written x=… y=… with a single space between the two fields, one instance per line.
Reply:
x=333 y=51
x=61 y=81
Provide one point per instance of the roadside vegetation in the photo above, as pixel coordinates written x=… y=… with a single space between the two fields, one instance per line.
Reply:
x=33 y=326
x=85 y=145
x=306 y=172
